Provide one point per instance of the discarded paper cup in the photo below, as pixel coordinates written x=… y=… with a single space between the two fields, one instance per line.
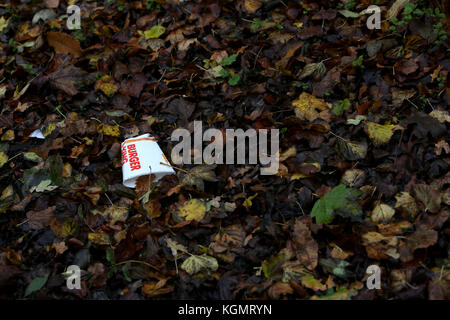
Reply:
x=142 y=156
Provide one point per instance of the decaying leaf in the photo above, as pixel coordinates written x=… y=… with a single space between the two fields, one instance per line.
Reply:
x=428 y=196
x=352 y=151
x=195 y=264
x=308 y=107
x=40 y=219
x=64 y=43
x=407 y=202
x=382 y=213
x=197 y=174
x=194 y=209
x=380 y=134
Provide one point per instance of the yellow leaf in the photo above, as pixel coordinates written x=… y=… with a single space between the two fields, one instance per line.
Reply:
x=154 y=33
x=109 y=89
x=100 y=238
x=312 y=283
x=67 y=170
x=49 y=129
x=291 y=152
x=193 y=209
x=116 y=213
x=380 y=133
x=251 y=6
x=308 y=107
x=8 y=136
x=3 y=158
x=248 y=202
x=3 y=23
x=109 y=130
x=7 y=192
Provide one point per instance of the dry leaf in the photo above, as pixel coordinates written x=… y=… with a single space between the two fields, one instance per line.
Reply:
x=64 y=43
x=40 y=219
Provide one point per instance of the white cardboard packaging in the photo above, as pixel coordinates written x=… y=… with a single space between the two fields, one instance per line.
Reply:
x=142 y=156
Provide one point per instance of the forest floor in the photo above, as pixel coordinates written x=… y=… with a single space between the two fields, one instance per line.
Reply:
x=364 y=156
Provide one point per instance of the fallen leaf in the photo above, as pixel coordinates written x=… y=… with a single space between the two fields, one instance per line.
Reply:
x=430 y=197
x=155 y=32
x=195 y=264
x=40 y=219
x=380 y=134
x=340 y=200
x=382 y=213
x=441 y=115
x=64 y=43
x=407 y=202
x=308 y=107
x=36 y=284
x=193 y=209
x=251 y=6
x=99 y=238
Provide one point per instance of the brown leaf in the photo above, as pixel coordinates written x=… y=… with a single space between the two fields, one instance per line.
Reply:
x=157 y=288
x=307 y=249
x=280 y=288
x=64 y=43
x=40 y=219
x=251 y=6
x=51 y=3
x=68 y=79
x=422 y=239
x=430 y=197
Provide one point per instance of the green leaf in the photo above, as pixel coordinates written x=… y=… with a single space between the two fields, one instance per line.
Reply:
x=154 y=33
x=234 y=79
x=340 y=107
x=110 y=257
x=36 y=284
x=340 y=200
x=31 y=156
x=228 y=61
x=224 y=73
x=349 y=14
x=43 y=186
x=3 y=159
x=273 y=266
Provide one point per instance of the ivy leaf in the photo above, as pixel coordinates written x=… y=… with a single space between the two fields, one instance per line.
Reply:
x=340 y=200
x=36 y=284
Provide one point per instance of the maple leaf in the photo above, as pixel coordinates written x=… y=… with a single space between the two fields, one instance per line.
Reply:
x=340 y=200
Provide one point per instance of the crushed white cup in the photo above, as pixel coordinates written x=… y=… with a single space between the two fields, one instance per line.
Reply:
x=142 y=156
